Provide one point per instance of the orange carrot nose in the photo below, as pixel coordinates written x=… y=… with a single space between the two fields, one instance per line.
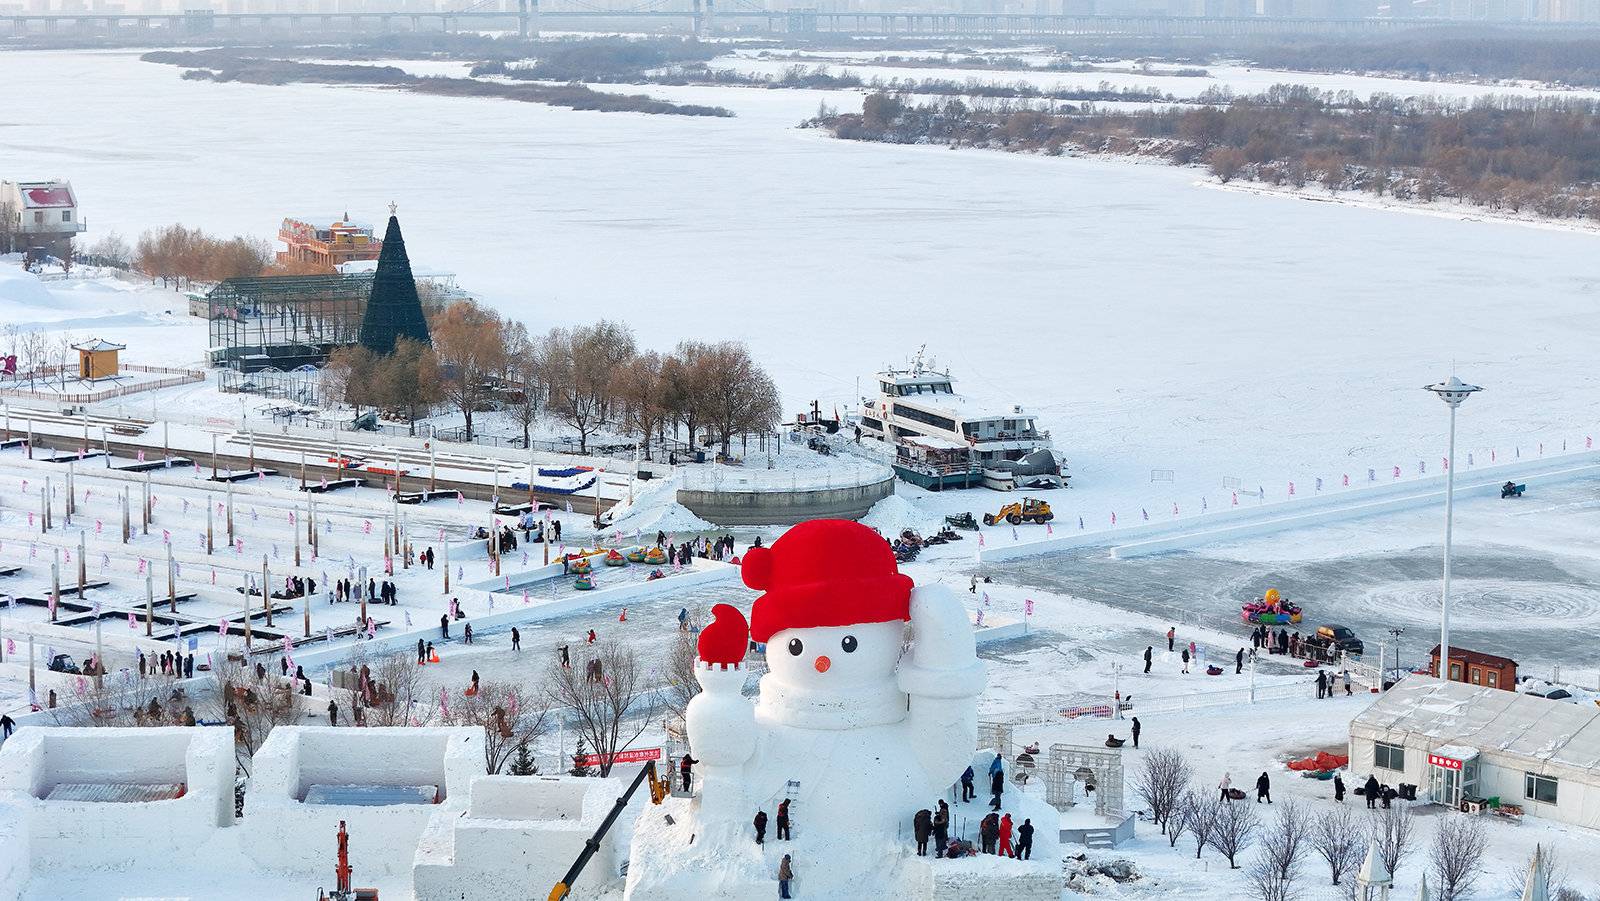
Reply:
x=822 y=664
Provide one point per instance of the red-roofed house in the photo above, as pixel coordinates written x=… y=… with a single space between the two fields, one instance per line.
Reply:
x=39 y=214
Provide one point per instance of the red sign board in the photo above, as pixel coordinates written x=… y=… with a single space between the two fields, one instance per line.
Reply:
x=638 y=755
x=1445 y=762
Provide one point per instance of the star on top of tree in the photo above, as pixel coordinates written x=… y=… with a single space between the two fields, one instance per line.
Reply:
x=391 y=208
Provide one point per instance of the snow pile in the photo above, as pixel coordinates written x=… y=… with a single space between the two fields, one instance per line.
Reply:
x=894 y=513
x=22 y=295
x=671 y=517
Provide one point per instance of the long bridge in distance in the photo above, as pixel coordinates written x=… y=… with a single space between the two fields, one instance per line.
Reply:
x=701 y=18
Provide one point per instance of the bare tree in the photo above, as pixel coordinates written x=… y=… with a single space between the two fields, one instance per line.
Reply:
x=252 y=704
x=522 y=373
x=1161 y=781
x=1266 y=882
x=740 y=397
x=511 y=718
x=1287 y=836
x=682 y=685
x=112 y=250
x=1234 y=829
x=400 y=695
x=1556 y=875
x=471 y=350
x=1337 y=837
x=641 y=390
x=609 y=703
x=10 y=226
x=1199 y=811
x=120 y=699
x=580 y=368
x=1458 y=846
x=685 y=375
x=1391 y=829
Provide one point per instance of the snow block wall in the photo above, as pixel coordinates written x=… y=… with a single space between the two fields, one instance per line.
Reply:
x=525 y=831
x=90 y=834
x=282 y=831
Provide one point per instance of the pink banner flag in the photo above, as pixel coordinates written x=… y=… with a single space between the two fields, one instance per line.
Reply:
x=132 y=623
x=1027 y=606
x=222 y=629
x=1291 y=489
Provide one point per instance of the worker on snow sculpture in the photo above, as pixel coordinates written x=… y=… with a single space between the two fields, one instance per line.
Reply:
x=834 y=728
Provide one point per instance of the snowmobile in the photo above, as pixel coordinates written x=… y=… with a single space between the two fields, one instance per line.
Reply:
x=963 y=521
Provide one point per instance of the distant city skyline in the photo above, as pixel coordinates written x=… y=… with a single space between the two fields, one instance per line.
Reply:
x=1456 y=10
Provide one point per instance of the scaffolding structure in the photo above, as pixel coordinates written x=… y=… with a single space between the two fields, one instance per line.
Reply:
x=287 y=321
x=1099 y=770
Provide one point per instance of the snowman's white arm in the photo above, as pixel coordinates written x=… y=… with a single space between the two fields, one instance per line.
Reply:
x=943 y=662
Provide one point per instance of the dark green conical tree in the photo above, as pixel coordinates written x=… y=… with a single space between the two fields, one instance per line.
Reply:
x=394 y=310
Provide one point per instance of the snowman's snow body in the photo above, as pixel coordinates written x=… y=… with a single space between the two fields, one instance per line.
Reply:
x=860 y=728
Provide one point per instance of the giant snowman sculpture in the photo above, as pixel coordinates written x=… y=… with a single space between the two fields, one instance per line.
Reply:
x=860 y=723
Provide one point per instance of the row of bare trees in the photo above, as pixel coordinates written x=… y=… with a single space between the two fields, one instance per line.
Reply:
x=607 y=713
x=1538 y=155
x=174 y=252
x=1339 y=835
x=593 y=379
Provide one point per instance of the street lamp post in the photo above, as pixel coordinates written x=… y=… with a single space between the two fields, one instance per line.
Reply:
x=1452 y=392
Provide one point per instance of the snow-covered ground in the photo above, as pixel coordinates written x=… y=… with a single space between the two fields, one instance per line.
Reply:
x=1150 y=323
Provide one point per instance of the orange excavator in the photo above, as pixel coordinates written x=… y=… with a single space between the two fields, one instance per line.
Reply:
x=342 y=890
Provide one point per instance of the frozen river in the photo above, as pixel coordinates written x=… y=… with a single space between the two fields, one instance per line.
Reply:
x=1152 y=322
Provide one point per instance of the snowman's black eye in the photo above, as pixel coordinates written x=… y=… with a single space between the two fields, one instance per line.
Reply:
x=795 y=647
x=849 y=644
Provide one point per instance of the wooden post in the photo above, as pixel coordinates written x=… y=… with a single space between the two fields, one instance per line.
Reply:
x=247 y=616
x=149 y=603
x=209 y=536
x=172 y=580
x=446 y=566
x=83 y=567
x=266 y=588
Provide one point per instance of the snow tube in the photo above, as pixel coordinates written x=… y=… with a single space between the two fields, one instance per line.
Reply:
x=1213 y=670
x=655 y=556
x=581 y=566
x=615 y=559
x=584 y=582
x=636 y=555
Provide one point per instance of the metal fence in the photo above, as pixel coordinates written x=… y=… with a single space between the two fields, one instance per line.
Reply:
x=1228 y=698
x=726 y=478
x=179 y=377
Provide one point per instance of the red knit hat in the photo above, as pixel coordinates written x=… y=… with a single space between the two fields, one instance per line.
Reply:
x=825 y=572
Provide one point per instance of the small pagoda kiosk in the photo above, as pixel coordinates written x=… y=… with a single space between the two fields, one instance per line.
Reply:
x=98 y=360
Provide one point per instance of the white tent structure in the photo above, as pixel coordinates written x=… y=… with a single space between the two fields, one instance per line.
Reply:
x=1457 y=741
